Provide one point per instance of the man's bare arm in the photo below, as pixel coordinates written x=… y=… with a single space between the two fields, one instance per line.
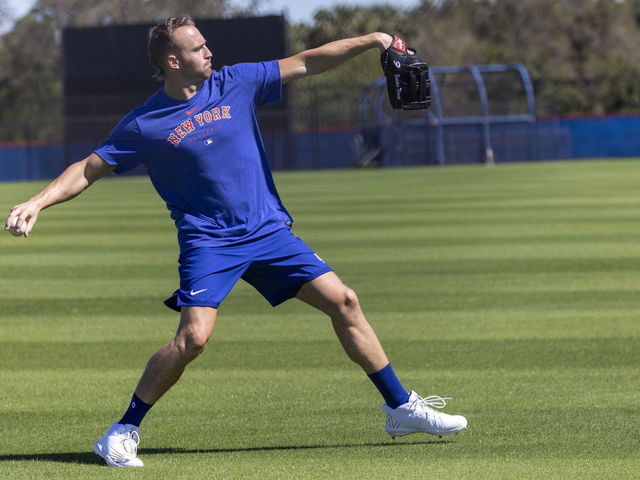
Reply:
x=330 y=55
x=73 y=181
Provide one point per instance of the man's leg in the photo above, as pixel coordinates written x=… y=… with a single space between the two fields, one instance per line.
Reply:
x=166 y=365
x=328 y=294
x=407 y=412
x=119 y=445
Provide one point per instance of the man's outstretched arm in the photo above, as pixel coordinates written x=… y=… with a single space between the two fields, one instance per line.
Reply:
x=330 y=55
x=73 y=181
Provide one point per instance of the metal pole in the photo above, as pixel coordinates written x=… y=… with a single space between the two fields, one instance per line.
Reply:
x=484 y=102
x=437 y=109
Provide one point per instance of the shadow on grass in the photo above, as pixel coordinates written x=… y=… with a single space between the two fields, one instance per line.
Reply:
x=90 y=458
x=70 y=457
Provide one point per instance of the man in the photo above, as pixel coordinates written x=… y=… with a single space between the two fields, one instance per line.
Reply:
x=199 y=141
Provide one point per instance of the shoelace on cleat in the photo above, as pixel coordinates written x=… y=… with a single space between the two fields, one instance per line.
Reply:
x=433 y=401
x=130 y=442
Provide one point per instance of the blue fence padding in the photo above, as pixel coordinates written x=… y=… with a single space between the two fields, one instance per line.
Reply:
x=417 y=145
x=514 y=142
x=411 y=144
x=404 y=145
x=613 y=136
x=400 y=145
x=553 y=141
x=31 y=162
x=324 y=150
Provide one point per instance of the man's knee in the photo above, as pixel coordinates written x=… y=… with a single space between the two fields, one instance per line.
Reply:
x=191 y=345
x=347 y=303
x=196 y=325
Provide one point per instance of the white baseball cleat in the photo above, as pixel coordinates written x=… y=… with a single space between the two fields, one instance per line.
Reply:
x=119 y=446
x=418 y=416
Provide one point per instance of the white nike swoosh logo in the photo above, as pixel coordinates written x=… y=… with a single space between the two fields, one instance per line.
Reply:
x=192 y=293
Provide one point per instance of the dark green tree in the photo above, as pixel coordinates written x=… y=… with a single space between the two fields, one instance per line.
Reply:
x=582 y=55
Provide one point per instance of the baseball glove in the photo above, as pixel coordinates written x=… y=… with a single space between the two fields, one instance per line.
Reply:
x=407 y=76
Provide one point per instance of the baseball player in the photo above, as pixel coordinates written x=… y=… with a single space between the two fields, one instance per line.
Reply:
x=200 y=143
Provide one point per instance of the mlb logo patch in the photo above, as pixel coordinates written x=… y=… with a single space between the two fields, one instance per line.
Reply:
x=208 y=141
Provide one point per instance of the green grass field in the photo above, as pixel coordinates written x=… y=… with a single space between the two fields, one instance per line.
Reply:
x=513 y=289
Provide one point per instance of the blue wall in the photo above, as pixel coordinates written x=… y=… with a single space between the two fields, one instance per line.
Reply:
x=324 y=150
x=612 y=136
x=31 y=162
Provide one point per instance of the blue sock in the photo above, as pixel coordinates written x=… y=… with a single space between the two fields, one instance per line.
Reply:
x=136 y=412
x=389 y=386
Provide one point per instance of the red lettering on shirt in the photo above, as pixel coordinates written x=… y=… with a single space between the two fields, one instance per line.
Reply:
x=188 y=126
x=208 y=116
x=173 y=138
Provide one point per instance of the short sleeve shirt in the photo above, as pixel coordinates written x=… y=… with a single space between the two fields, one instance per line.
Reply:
x=205 y=156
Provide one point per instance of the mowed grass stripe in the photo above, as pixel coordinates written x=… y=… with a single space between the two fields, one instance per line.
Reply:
x=293 y=325
x=267 y=354
x=512 y=289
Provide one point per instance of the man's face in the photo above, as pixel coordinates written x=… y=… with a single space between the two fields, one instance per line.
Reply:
x=193 y=57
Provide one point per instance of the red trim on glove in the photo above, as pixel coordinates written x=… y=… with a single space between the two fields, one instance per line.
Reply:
x=399 y=44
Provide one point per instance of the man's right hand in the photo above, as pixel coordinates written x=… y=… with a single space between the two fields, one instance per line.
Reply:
x=22 y=218
x=74 y=180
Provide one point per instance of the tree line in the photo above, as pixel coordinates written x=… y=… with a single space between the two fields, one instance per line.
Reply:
x=582 y=55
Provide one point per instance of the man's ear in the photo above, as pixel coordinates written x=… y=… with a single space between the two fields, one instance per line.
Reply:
x=173 y=62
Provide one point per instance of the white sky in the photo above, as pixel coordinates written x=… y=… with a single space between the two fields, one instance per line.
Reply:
x=19 y=7
x=302 y=11
x=295 y=10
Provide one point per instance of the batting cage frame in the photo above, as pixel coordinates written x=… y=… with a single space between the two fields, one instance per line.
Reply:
x=439 y=135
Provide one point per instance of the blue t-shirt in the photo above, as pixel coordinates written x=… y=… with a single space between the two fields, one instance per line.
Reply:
x=205 y=156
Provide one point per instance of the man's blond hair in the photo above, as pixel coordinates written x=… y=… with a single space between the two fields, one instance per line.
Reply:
x=161 y=42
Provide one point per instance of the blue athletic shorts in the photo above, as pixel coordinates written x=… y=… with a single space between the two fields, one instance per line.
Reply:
x=277 y=265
